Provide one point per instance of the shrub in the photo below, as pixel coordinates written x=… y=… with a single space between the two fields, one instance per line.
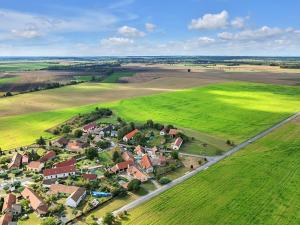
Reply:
x=164 y=180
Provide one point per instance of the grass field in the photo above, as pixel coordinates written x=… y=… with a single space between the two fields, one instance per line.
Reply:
x=8 y=80
x=115 y=77
x=23 y=66
x=234 y=110
x=258 y=185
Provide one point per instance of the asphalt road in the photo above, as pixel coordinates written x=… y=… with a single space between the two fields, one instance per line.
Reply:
x=212 y=161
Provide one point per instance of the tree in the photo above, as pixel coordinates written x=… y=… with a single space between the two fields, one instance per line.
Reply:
x=134 y=185
x=91 y=153
x=164 y=180
x=78 y=133
x=8 y=94
x=150 y=123
x=50 y=221
x=117 y=157
x=109 y=219
x=103 y=144
x=66 y=129
x=41 y=141
x=175 y=155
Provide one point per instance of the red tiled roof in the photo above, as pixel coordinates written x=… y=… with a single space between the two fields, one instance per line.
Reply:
x=178 y=142
x=136 y=173
x=146 y=162
x=62 y=141
x=9 y=200
x=16 y=161
x=48 y=156
x=131 y=134
x=121 y=166
x=89 y=176
x=59 y=170
x=173 y=131
x=34 y=164
x=69 y=162
x=89 y=126
x=127 y=156
x=60 y=188
x=6 y=219
x=35 y=201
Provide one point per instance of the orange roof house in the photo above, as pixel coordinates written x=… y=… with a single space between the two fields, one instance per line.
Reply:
x=69 y=162
x=130 y=135
x=121 y=166
x=15 y=162
x=6 y=219
x=146 y=164
x=137 y=174
x=36 y=166
x=127 y=156
x=9 y=200
x=35 y=201
x=48 y=156
x=178 y=142
x=59 y=172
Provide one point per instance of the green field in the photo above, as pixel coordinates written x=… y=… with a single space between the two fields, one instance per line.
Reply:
x=114 y=78
x=8 y=80
x=258 y=185
x=23 y=66
x=233 y=111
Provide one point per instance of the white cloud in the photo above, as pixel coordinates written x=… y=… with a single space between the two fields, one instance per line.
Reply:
x=206 y=40
x=150 y=27
x=116 y=41
x=262 y=33
x=210 y=21
x=130 y=32
x=238 y=22
x=28 y=25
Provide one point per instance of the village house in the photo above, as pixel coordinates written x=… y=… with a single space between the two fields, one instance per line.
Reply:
x=35 y=166
x=89 y=176
x=25 y=158
x=137 y=174
x=146 y=164
x=74 y=199
x=152 y=152
x=126 y=156
x=163 y=132
x=15 y=162
x=9 y=200
x=36 y=202
x=61 y=142
x=69 y=162
x=89 y=127
x=122 y=166
x=76 y=146
x=59 y=172
x=6 y=219
x=106 y=131
x=139 y=150
x=177 y=144
x=48 y=156
x=173 y=132
x=130 y=135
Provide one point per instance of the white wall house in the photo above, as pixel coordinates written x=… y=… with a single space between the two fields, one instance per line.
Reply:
x=76 y=197
x=59 y=172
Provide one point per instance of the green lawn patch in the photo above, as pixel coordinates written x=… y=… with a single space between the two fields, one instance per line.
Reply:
x=258 y=185
x=115 y=77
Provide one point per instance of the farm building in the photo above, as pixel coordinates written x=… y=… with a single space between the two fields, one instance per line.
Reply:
x=146 y=164
x=69 y=162
x=163 y=132
x=178 y=142
x=36 y=202
x=76 y=197
x=48 y=156
x=122 y=166
x=59 y=172
x=89 y=127
x=25 y=158
x=137 y=174
x=15 y=162
x=35 y=166
x=61 y=142
x=9 y=200
x=130 y=135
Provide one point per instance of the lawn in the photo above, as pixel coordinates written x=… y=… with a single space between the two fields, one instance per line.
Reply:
x=8 y=80
x=258 y=185
x=234 y=111
x=115 y=77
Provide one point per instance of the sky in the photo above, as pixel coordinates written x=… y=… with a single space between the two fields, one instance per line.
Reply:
x=149 y=27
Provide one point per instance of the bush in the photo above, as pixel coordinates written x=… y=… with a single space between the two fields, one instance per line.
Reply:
x=91 y=153
x=164 y=180
x=134 y=185
x=78 y=133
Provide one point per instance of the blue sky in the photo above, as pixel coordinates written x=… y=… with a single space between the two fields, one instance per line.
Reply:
x=156 y=27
